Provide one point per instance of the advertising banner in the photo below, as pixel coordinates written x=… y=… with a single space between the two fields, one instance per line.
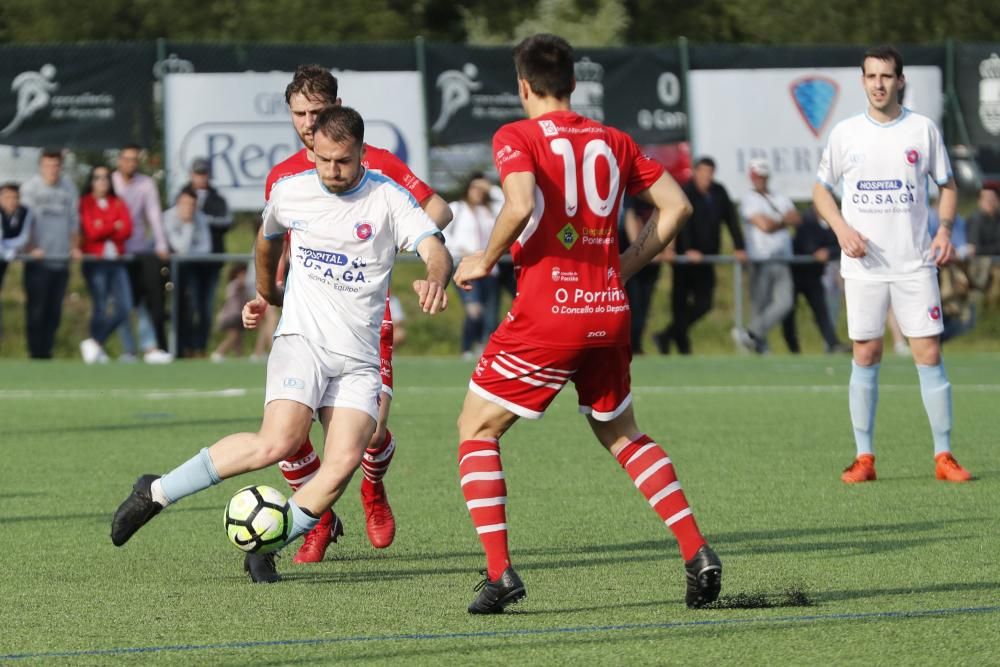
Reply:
x=241 y=125
x=785 y=115
x=81 y=96
x=472 y=91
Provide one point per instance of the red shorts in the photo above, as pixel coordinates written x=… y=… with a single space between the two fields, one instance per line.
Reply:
x=385 y=350
x=524 y=378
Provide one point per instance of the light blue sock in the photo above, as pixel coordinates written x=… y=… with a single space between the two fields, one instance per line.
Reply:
x=863 y=393
x=194 y=475
x=302 y=521
x=936 y=392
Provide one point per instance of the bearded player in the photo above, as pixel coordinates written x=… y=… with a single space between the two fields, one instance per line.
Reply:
x=563 y=179
x=312 y=88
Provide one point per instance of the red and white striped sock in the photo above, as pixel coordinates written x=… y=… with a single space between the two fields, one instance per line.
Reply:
x=653 y=473
x=486 y=497
x=301 y=466
x=376 y=460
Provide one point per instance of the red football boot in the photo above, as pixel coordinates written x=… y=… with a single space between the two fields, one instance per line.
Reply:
x=379 y=521
x=318 y=539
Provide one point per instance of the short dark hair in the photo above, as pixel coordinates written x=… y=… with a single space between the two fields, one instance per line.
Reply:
x=89 y=187
x=131 y=147
x=340 y=124
x=546 y=62
x=887 y=53
x=705 y=161
x=52 y=153
x=186 y=191
x=10 y=185
x=313 y=81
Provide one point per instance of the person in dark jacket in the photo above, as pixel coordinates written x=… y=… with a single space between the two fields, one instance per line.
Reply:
x=813 y=237
x=694 y=280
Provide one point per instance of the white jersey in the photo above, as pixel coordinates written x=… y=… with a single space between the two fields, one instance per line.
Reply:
x=343 y=247
x=761 y=244
x=885 y=169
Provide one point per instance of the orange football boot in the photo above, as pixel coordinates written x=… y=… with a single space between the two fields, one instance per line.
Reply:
x=862 y=470
x=948 y=469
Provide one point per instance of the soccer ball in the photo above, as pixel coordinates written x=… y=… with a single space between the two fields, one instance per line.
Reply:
x=257 y=519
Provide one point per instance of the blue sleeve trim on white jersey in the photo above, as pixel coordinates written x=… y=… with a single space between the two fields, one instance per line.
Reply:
x=271 y=237
x=382 y=178
x=947 y=179
x=824 y=184
x=420 y=238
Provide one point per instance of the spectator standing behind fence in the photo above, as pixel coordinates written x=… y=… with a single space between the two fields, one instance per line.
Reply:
x=984 y=241
x=52 y=242
x=187 y=232
x=150 y=252
x=15 y=226
x=642 y=284
x=694 y=281
x=230 y=318
x=469 y=231
x=105 y=225
x=813 y=237
x=766 y=219
x=214 y=208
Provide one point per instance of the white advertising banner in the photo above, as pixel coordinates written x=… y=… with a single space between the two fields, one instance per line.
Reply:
x=240 y=122
x=785 y=116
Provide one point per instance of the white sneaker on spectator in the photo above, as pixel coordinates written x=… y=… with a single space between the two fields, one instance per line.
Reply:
x=127 y=358
x=102 y=356
x=217 y=357
x=157 y=357
x=90 y=350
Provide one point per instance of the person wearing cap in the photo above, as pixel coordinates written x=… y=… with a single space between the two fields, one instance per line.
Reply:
x=213 y=206
x=203 y=277
x=767 y=217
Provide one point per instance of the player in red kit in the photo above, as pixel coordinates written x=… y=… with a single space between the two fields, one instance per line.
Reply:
x=563 y=179
x=312 y=88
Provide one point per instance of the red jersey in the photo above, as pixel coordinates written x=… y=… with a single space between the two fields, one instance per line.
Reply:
x=569 y=288
x=377 y=159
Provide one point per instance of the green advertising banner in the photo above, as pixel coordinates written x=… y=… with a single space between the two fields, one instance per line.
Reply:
x=81 y=96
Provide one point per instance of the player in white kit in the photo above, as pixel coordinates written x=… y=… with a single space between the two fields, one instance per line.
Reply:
x=883 y=159
x=347 y=224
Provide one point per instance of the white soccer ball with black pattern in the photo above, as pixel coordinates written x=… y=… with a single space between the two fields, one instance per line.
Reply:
x=257 y=519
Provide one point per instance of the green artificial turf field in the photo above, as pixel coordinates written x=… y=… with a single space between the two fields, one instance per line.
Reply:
x=901 y=571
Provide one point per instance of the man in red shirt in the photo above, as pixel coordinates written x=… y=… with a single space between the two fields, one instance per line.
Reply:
x=563 y=178
x=312 y=88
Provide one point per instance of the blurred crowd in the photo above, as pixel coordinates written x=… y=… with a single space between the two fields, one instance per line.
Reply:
x=124 y=238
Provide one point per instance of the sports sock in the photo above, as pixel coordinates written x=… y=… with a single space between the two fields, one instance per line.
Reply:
x=863 y=399
x=376 y=460
x=653 y=473
x=301 y=466
x=485 y=494
x=302 y=521
x=192 y=476
x=936 y=392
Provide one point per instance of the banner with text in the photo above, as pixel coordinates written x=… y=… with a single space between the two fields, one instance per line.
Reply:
x=472 y=91
x=785 y=115
x=241 y=124
x=80 y=96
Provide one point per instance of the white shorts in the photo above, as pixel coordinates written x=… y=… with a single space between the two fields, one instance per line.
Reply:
x=299 y=370
x=915 y=300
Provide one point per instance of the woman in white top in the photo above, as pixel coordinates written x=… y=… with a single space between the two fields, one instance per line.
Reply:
x=470 y=229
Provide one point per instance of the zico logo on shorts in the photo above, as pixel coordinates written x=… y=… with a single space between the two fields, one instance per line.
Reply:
x=293 y=383
x=568 y=236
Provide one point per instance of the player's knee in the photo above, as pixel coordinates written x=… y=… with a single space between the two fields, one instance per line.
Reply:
x=272 y=449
